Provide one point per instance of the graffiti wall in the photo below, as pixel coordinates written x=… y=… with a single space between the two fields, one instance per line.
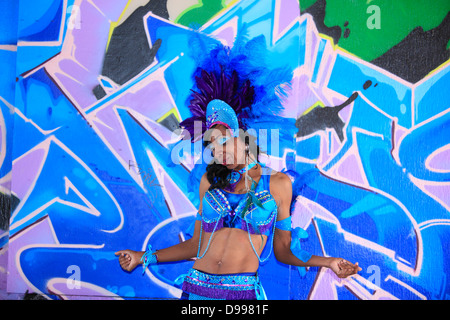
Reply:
x=92 y=94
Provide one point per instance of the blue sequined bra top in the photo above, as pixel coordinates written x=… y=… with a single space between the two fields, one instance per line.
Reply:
x=222 y=209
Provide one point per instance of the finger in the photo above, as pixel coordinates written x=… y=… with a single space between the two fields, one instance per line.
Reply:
x=349 y=265
x=124 y=254
x=347 y=272
x=123 y=263
x=355 y=268
x=121 y=253
x=125 y=266
x=346 y=263
x=352 y=271
x=343 y=264
x=123 y=260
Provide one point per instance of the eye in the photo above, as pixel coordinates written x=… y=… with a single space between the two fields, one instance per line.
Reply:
x=210 y=147
x=223 y=140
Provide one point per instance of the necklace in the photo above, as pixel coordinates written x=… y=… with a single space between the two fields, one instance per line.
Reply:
x=235 y=176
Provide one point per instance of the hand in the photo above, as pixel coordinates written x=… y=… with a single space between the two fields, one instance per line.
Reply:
x=129 y=259
x=342 y=268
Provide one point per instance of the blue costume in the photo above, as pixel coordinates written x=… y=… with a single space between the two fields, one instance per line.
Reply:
x=222 y=209
x=232 y=90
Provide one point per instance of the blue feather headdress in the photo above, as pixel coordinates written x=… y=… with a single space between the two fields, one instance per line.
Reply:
x=240 y=76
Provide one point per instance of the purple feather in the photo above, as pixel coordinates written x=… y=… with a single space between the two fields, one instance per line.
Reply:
x=212 y=86
x=242 y=76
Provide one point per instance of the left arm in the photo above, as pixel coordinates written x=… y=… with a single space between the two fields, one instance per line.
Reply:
x=281 y=189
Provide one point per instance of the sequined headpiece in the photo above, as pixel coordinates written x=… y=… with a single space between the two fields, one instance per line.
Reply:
x=220 y=112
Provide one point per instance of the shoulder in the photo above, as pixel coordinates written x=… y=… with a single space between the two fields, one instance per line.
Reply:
x=204 y=179
x=204 y=185
x=281 y=188
x=280 y=181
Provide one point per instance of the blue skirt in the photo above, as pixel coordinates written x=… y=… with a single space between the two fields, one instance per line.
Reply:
x=198 y=285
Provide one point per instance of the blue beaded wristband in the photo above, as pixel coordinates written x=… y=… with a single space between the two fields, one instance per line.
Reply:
x=149 y=257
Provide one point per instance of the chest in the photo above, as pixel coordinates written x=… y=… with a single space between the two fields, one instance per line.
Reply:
x=250 y=212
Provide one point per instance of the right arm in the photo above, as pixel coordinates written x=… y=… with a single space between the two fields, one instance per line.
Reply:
x=130 y=259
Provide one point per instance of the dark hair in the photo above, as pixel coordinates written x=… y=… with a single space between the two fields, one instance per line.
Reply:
x=217 y=174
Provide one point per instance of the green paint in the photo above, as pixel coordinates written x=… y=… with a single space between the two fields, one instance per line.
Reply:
x=397 y=19
x=305 y=4
x=199 y=14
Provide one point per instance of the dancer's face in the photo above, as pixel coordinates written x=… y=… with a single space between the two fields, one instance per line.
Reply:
x=226 y=149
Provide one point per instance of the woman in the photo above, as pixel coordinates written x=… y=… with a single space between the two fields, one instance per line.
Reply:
x=244 y=206
x=232 y=251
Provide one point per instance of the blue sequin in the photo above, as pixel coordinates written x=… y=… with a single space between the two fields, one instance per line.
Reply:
x=220 y=112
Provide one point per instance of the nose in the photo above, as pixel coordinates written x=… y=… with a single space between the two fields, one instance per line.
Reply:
x=218 y=151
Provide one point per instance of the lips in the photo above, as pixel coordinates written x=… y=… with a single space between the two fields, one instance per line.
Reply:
x=227 y=160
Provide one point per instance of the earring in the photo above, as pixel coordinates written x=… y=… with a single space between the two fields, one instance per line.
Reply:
x=247 y=152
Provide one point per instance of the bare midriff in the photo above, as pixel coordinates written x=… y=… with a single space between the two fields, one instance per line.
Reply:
x=230 y=251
